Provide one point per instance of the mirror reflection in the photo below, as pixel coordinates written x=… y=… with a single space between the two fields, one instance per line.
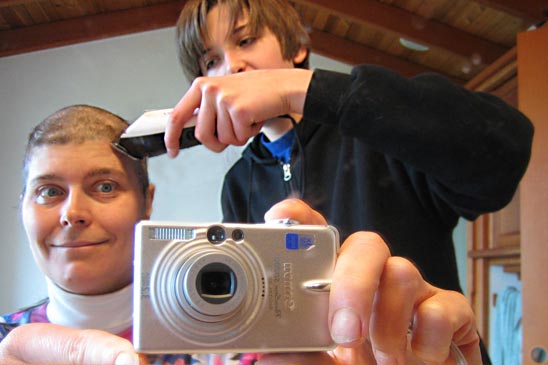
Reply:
x=471 y=44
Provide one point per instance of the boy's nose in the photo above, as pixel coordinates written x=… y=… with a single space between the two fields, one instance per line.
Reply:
x=234 y=63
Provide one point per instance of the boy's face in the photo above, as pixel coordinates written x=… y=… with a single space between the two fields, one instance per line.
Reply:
x=239 y=50
x=79 y=209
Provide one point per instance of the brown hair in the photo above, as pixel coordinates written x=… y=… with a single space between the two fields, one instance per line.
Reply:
x=76 y=124
x=279 y=16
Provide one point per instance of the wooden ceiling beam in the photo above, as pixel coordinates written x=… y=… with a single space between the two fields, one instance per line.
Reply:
x=9 y=3
x=412 y=27
x=533 y=11
x=94 y=27
x=352 y=53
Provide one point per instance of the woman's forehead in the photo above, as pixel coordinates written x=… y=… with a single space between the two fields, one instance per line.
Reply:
x=68 y=157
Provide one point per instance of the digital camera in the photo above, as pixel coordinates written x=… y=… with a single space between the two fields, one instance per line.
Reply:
x=214 y=288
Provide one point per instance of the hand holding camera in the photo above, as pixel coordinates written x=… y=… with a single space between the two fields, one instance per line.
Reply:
x=372 y=300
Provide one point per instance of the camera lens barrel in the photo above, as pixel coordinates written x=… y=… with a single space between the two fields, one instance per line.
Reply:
x=214 y=285
x=209 y=289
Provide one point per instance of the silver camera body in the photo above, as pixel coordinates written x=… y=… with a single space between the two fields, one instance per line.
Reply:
x=213 y=288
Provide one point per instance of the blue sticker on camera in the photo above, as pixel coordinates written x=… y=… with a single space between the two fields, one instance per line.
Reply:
x=294 y=241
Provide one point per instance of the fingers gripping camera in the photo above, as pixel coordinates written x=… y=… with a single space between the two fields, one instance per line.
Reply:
x=232 y=287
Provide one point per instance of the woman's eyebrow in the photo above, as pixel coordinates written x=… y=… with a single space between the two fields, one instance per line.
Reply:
x=93 y=173
x=104 y=172
x=45 y=177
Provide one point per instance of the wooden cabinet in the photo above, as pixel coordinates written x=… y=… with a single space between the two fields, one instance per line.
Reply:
x=493 y=239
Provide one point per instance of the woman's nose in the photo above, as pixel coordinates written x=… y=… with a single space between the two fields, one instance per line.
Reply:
x=76 y=211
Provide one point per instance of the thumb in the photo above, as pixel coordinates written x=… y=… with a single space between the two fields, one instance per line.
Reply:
x=52 y=344
x=294 y=209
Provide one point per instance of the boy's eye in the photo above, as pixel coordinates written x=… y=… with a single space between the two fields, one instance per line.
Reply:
x=209 y=64
x=247 y=41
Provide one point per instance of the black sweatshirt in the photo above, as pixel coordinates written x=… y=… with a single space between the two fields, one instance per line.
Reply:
x=402 y=157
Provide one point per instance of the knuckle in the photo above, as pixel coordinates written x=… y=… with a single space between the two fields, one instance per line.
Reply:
x=403 y=273
x=198 y=82
x=370 y=240
x=76 y=347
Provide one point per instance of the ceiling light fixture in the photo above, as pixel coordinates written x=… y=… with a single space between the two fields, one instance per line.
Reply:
x=413 y=45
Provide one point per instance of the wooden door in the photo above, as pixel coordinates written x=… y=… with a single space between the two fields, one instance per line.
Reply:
x=533 y=101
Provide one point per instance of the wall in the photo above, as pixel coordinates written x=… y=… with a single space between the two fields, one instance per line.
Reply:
x=459 y=239
x=125 y=75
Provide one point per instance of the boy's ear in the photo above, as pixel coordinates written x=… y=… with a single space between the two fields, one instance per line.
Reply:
x=300 y=56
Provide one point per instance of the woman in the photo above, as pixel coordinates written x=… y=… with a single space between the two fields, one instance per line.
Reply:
x=80 y=202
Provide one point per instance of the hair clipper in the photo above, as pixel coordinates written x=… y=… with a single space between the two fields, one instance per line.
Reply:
x=145 y=137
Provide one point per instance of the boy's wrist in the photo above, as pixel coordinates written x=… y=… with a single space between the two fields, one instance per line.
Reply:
x=297 y=88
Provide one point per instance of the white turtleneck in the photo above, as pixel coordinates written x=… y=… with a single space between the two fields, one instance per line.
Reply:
x=108 y=312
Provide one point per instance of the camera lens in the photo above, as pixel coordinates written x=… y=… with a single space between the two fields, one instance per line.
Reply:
x=237 y=235
x=216 y=234
x=216 y=283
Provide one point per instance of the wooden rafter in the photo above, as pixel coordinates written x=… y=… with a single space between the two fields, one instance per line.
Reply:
x=353 y=53
x=93 y=27
x=532 y=10
x=410 y=26
x=8 y=3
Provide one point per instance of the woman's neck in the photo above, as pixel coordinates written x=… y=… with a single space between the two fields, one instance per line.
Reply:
x=108 y=312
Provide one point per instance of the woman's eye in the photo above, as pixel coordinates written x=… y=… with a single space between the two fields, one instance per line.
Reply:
x=46 y=193
x=49 y=191
x=106 y=187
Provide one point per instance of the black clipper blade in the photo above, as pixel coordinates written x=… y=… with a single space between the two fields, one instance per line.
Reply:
x=153 y=144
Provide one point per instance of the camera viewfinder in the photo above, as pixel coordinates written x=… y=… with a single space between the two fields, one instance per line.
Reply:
x=216 y=234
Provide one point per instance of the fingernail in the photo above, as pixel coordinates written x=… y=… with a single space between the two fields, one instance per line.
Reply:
x=126 y=358
x=346 y=326
x=382 y=358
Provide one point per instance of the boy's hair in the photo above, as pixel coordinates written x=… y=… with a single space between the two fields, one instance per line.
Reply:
x=279 y=16
x=77 y=124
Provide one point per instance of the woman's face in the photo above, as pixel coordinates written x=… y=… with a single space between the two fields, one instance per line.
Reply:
x=80 y=206
x=240 y=50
